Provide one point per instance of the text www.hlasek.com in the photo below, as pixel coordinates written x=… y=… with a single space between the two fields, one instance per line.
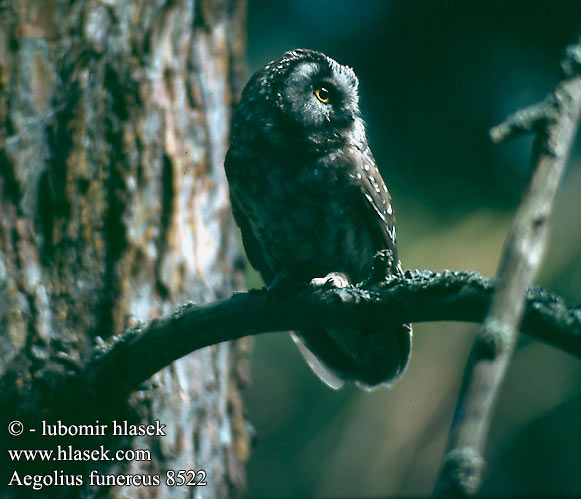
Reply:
x=70 y=454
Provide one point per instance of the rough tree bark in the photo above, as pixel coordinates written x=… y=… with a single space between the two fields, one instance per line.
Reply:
x=114 y=210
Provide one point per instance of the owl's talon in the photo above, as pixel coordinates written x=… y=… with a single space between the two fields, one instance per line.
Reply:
x=331 y=280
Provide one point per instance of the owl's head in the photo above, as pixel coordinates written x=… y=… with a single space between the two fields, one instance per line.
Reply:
x=304 y=98
x=314 y=90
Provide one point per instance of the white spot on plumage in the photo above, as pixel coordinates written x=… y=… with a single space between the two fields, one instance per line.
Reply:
x=389 y=208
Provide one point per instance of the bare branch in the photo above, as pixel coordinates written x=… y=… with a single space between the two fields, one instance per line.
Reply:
x=463 y=463
x=420 y=296
x=530 y=119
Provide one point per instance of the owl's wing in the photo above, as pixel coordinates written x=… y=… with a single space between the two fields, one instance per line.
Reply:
x=377 y=203
x=252 y=247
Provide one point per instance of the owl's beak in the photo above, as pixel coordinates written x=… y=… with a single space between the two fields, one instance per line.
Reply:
x=345 y=119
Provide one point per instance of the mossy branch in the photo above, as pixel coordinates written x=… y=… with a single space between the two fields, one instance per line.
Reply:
x=419 y=296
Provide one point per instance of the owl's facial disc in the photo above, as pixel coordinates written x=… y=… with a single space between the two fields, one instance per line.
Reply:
x=321 y=98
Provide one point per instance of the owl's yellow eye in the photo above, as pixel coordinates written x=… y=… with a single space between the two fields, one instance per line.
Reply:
x=322 y=94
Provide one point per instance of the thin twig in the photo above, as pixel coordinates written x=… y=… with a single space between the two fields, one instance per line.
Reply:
x=419 y=296
x=529 y=119
x=461 y=472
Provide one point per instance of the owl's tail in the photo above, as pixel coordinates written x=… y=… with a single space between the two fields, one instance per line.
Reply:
x=369 y=358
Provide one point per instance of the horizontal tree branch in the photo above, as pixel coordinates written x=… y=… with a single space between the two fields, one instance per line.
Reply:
x=420 y=296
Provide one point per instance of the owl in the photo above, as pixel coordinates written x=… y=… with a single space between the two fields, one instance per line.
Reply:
x=312 y=206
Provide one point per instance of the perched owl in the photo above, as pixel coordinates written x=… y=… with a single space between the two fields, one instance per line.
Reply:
x=310 y=202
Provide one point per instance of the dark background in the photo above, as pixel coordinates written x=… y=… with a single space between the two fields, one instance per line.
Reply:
x=435 y=76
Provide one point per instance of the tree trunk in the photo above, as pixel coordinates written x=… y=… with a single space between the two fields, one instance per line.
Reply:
x=114 y=210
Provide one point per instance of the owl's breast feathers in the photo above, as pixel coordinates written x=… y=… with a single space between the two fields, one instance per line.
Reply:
x=319 y=214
